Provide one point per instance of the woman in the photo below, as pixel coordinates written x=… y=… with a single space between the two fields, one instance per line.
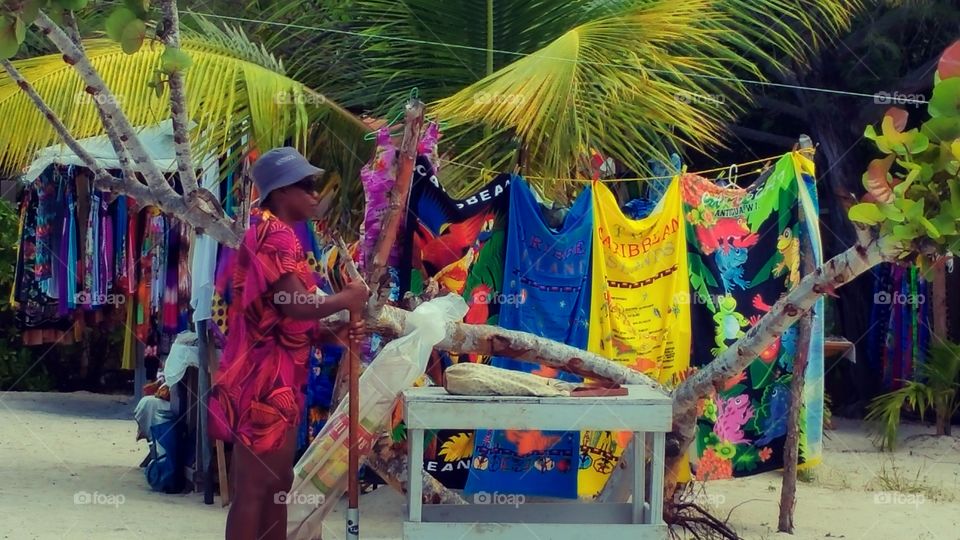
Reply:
x=257 y=399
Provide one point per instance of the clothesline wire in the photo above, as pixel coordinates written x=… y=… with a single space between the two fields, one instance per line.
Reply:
x=875 y=97
x=637 y=179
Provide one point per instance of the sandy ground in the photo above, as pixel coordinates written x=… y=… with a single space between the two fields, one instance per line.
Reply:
x=55 y=448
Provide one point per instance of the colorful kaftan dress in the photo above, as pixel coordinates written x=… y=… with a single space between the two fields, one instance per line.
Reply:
x=258 y=397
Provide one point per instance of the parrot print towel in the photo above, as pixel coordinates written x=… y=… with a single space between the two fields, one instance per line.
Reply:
x=460 y=243
x=744 y=254
x=546 y=291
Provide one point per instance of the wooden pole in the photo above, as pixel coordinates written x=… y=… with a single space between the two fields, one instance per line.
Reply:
x=412 y=124
x=376 y=269
x=791 y=448
x=353 y=454
x=353 y=486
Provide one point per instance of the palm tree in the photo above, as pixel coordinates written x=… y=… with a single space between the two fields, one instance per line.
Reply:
x=627 y=77
x=938 y=388
x=236 y=91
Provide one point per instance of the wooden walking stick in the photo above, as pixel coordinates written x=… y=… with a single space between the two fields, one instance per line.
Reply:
x=353 y=465
x=353 y=469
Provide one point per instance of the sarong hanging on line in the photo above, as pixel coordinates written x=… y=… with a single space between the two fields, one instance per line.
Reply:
x=460 y=243
x=813 y=378
x=744 y=254
x=639 y=315
x=546 y=291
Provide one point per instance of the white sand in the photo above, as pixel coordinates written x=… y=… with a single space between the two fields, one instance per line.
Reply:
x=54 y=446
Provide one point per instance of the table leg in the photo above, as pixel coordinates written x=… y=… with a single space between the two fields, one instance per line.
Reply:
x=656 y=486
x=639 y=472
x=415 y=472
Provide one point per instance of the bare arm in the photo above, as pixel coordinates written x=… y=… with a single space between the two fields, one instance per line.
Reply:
x=294 y=301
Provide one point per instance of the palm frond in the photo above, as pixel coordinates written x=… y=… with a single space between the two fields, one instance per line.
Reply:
x=620 y=84
x=883 y=413
x=235 y=90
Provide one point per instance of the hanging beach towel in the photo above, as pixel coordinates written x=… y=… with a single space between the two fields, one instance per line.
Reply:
x=546 y=291
x=813 y=384
x=744 y=252
x=639 y=316
x=461 y=244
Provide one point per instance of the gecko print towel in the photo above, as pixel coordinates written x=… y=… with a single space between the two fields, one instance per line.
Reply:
x=460 y=243
x=744 y=254
x=546 y=292
x=639 y=316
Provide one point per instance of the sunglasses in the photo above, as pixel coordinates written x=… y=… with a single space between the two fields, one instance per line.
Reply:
x=309 y=184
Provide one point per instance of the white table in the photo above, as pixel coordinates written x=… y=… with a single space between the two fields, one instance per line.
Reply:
x=645 y=411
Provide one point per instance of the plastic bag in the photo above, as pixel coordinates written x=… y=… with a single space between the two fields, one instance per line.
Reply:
x=320 y=477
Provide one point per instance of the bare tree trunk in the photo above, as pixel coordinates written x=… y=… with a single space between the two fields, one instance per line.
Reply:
x=494 y=341
x=791 y=448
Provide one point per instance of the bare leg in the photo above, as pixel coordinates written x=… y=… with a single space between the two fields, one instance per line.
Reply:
x=273 y=514
x=253 y=487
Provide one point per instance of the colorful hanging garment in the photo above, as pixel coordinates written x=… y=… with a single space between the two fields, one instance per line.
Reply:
x=744 y=251
x=377 y=178
x=546 y=292
x=35 y=308
x=813 y=384
x=458 y=242
x=638 y=314
x=461 y=244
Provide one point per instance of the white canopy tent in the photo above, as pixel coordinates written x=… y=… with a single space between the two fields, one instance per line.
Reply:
x=157 y=139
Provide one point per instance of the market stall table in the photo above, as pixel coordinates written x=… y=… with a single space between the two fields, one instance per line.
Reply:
x=645 y=411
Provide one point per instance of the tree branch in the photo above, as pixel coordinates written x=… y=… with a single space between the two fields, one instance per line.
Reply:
x=73 y=30
x=178 y=102
x=102 y=178
x=494 y=341
x=833 y=274
x=193 y=209
x=107 y=102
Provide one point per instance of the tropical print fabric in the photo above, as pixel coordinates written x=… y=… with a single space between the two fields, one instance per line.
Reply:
x=744 y=253
x=460 y=243
x=545 y=292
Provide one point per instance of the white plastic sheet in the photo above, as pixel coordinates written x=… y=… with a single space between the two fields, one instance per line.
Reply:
x=320 y=477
